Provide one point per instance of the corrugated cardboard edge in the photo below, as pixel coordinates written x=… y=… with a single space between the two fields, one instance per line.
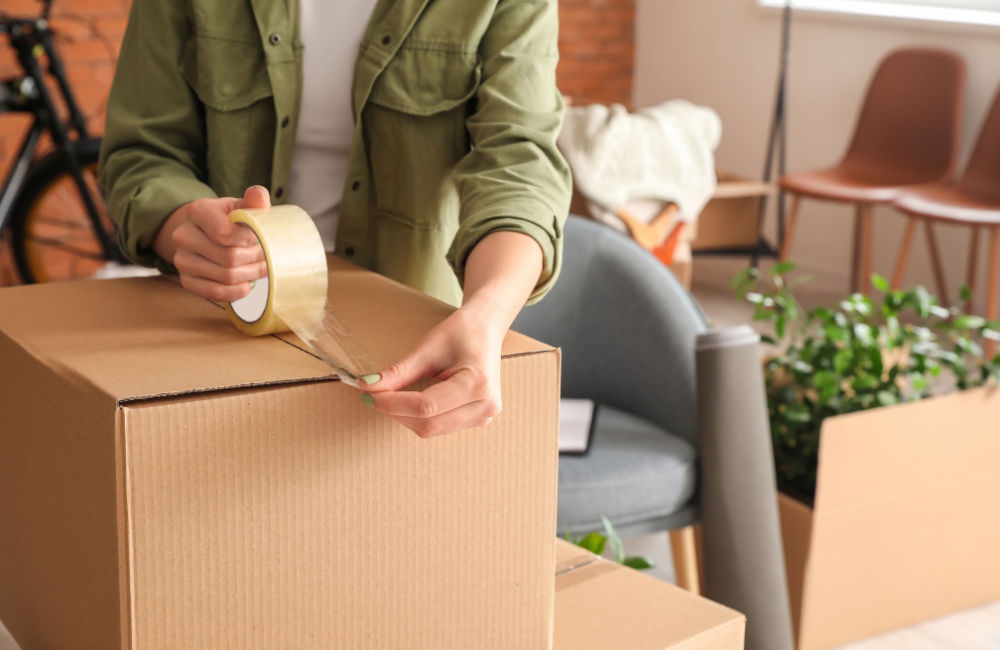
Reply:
x=288 y=382
x=796 y=529
x=576 y=566
x=907 y=481
x=126 y=606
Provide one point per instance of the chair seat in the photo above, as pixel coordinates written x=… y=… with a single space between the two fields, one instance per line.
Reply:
x=633 y=471
x=948 y=203
x=843 y=183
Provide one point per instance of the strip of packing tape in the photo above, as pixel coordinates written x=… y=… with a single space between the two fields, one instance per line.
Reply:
x=293 y=296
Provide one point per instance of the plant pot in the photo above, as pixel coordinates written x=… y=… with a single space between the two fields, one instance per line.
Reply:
x=906 y=522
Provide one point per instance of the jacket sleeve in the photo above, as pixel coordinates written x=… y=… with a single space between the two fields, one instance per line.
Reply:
x=514 y=177
x=153 y=154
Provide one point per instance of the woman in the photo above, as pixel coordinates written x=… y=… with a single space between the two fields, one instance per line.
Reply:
x=419 y=134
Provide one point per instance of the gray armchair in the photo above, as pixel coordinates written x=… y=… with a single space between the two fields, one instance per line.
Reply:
x=627 y=329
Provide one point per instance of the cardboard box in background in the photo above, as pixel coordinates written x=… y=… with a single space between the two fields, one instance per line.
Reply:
x=906 y=524
x=729 y=220
x=601 y=605
x=166 y=482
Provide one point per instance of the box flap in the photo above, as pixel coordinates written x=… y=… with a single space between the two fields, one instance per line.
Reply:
x=605 y=606
x=145 y=337
x=906 y=449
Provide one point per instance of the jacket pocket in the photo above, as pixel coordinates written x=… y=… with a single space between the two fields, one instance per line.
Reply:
x=427 y=78
x=230 y=78
x=415 y=134
x=226 y=74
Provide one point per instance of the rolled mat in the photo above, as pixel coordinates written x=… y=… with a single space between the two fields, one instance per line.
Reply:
x=744 y=561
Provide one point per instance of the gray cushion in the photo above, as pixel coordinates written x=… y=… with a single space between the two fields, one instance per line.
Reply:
x=633 y=471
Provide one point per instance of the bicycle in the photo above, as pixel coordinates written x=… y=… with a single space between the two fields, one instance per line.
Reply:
x=53 y=206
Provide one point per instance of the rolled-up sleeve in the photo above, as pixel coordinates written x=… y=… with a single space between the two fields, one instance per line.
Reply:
x=514 y=178
x=153 y=154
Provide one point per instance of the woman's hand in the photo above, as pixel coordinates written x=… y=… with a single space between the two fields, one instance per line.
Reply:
x=216 y=259
x=463 y=352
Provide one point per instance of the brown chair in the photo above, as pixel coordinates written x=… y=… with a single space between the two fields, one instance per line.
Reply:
x=907 y=134
x=973 y=200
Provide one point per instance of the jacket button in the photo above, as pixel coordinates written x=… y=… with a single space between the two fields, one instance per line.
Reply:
x=279 y=192
x=274 y=38
x=285 y=122
x=355 y=185
x=349 y=251
x=386 y=40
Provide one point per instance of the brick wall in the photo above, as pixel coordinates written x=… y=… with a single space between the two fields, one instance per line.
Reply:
x=91 y=31
x=596 y=42
x=597 y=50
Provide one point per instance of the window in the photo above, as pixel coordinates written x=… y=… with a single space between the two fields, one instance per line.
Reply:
x=976 y=12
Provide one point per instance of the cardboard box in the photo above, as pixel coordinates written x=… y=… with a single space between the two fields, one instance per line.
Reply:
x=168 y=483
x=601 y=605
x=729 y=220
x=906 y=524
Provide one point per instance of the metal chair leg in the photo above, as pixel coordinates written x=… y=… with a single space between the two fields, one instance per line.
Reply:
x=904 y=253
x=936 y=264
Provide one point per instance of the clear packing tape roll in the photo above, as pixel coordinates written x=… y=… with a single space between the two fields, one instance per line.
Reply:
x=293 y=296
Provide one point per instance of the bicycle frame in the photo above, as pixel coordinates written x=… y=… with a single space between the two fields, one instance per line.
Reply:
x=32 y=38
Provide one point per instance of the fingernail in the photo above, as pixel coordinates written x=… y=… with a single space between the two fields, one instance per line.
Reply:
x=260 y=187
x=367 y=399
x=372 y=379
x=253 y=285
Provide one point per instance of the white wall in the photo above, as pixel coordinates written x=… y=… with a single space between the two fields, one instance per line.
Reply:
x=724 y=54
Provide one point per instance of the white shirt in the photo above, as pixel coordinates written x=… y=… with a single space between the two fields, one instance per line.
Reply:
x=331 y=31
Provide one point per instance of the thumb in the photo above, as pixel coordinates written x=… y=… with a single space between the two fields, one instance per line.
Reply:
x=255 y=197
x=416 y=365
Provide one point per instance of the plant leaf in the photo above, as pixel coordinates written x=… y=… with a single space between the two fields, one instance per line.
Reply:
x=617 y=546
x=885 y=398
x=968 y=321
x=639 y=563
x=783 y=268
x=798 y=413
x=594 y=542
x=880 y=283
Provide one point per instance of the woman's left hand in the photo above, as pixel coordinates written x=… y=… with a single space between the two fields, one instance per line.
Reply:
x=463 y=352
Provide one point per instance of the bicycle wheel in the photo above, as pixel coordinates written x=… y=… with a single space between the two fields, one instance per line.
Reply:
x=53 y=237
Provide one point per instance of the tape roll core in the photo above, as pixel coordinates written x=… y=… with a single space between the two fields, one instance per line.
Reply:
x=296 y=269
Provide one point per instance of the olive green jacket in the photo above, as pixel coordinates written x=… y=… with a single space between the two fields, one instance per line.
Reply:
x=456 y=117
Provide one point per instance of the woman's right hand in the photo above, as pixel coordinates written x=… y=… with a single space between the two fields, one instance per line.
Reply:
x=216 y=259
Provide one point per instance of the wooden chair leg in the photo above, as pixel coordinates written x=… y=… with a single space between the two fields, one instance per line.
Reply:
x=970 y=277
x=856 y=248
x=992 y=299
x=793 y=216
x=699 y=546
x=684 y=549
x=904 y=253
x=867 y=222
x=936 y=265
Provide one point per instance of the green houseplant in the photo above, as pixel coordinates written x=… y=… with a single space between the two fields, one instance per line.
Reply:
x=864 y=353
x=595 y=543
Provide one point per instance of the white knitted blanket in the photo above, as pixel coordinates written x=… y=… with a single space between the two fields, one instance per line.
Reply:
x=664 y=153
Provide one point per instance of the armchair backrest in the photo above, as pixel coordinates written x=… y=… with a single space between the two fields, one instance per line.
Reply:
x=626 y=327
